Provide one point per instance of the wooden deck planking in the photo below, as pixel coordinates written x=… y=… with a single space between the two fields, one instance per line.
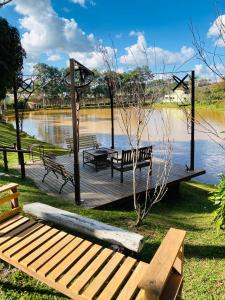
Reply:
x=98 y=188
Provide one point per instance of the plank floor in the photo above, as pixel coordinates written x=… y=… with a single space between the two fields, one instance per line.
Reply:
x=98 y=188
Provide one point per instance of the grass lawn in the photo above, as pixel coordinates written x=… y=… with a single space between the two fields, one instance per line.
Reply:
x=215 y=106
x=192 y=211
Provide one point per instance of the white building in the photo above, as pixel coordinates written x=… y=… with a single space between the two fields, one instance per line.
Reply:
x=179 y=95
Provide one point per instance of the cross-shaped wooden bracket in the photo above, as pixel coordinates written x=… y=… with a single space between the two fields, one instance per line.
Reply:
x=181 y=82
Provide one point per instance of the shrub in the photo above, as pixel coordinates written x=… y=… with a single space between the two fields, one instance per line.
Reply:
x=218 y=197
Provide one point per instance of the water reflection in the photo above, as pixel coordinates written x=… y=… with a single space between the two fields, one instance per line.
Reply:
x=55 y=126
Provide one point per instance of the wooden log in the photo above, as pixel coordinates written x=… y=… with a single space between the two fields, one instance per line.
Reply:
x=90 y=227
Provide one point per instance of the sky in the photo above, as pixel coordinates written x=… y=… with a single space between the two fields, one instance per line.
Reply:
x=132 y=32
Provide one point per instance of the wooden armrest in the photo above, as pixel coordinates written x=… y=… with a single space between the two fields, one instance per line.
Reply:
x=159 y=269
x=115 y=158
x=9 y=186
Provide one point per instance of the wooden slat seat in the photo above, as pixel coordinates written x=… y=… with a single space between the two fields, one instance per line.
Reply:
x=81 y=269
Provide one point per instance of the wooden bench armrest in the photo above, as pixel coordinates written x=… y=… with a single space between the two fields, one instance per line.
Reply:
x=9 y=186
x=115 y=158
x=168 y=257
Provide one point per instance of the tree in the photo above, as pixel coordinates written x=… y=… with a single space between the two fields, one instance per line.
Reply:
x=214 y=60
x=4 y=2
x=50 y=82
x=130 y=91
x=11 y=56
x=130 y=95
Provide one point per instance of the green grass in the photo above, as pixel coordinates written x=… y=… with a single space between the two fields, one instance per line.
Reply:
x=215 y=106
x=8 y=138
x=204 y=267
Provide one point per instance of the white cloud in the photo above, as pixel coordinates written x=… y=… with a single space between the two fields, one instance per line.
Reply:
x=217 y=31
x=202 y=71
x=54 y=57
x=45 y=31
x=95 y=59
x=142 y=54
x=80 y=2
x=83 y=2
x=135 y=33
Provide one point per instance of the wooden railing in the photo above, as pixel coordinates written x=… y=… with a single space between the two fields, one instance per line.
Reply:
x=6 y=149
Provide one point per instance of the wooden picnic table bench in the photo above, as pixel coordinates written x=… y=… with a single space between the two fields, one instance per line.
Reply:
x=126 y=162
x=84 y=270
x=52 y=166
x=86 y=141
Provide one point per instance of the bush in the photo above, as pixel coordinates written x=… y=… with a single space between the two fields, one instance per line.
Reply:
x=218 y=197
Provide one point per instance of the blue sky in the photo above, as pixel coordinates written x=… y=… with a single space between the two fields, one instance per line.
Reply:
x=53 y=31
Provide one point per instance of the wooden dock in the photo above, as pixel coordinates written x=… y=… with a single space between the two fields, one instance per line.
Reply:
x=98 y=189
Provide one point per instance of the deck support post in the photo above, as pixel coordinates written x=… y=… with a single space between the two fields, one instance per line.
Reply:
x=18 y=139
x=75 y=133
x=192 y=150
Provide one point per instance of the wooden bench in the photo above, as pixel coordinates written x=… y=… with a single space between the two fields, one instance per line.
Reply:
x=86 y=141
x=52 y=166
x=83 y=270
x=125 y=163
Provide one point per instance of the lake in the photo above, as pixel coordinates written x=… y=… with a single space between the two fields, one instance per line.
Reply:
x=53 y=126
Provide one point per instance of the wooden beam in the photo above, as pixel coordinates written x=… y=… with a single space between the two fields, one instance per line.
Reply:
x=8 y=187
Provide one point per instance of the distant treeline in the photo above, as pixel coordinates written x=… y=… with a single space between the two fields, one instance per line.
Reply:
x=52 y=89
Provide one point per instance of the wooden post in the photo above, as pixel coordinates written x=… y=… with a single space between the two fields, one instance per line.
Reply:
x=110 y=88
x=192 y=150
x=75 y=135
x=15 y=201
x=5 y=160
x=18 y=140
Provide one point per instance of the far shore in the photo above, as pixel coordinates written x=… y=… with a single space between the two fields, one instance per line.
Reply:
x=217 y=106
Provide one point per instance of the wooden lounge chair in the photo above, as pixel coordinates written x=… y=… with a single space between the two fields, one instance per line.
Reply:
x=81 y=269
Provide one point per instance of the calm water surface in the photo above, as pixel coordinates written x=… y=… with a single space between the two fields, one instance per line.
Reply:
x=55 y=126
